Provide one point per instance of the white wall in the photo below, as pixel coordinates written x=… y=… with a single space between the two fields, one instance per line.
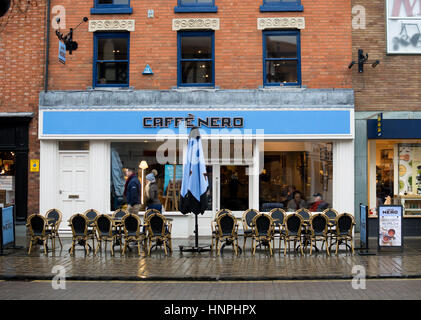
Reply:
x=343 y=176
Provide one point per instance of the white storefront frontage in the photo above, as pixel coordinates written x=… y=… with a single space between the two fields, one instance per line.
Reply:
x=75 y=169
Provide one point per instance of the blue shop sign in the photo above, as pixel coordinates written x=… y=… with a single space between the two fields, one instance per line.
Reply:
x=225 y=122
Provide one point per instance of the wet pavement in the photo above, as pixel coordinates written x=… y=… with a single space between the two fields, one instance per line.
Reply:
x=18 y=265
x=328 y=290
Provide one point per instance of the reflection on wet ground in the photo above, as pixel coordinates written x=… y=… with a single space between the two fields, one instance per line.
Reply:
x=184 y=266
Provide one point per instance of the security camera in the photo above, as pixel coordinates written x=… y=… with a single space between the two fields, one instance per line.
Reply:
x=375 y=63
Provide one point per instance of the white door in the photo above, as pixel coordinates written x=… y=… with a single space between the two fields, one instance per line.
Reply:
x=73 y=184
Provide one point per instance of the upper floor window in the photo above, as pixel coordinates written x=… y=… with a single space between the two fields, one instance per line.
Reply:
x=111 y=59
x=196 y=6
x=196 y=65
x=111 y=6
x=281 y=58
x=281 y=5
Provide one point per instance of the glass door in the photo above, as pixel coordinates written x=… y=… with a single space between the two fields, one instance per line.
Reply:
x=232 y=188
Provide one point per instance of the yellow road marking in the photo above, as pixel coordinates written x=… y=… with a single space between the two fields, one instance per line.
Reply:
x=229 y=282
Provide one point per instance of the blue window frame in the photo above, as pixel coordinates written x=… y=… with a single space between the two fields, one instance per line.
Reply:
x=196 y=59
x=111 y=59
x=111 y=7
x=196 y=6
x=281 y=58
x=281 y=5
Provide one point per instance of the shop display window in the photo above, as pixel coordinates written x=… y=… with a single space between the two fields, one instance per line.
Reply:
x=7 y=178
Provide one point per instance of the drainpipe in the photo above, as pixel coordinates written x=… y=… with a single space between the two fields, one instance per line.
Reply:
x=47 y=45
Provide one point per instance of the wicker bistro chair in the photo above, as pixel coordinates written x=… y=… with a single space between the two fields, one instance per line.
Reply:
x=54 y=217
x=293 y=228
x=278 y=216
x=331 y=214
x=247 y=219
x=344 y=224
x=263 y=230
x=80 y=233
x=214 y=225
x=106 y=232
x=132 y=233
x=318 y=230
x=37 y=225
x=150 y=212
x=91 y=214
x=227 y=230
x=159 y=231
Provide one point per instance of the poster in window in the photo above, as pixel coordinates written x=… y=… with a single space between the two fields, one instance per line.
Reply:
x=404 y=26
x=390 y=226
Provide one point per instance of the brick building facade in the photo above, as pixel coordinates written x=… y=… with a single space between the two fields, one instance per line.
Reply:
x=303 y=118
x=389 y=91
x=22 y=54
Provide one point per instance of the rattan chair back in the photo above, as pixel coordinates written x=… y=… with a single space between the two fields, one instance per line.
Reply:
x=249 y=215
x=263 y=224
x=150 y=212
x=293 y=224
x=131 y=225
x=304 y=213
x=104 y=225
x=278 y=216
x=319 y=224
x=37 y=225
x=79 y=224
x=119 y=214
x=226 y=224
x=344 y=224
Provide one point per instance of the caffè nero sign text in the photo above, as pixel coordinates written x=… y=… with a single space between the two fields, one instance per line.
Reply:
x=192 y=121
x=404 y=26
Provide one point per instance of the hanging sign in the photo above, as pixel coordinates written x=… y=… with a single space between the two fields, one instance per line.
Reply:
x=61 y=52
x=390 y=226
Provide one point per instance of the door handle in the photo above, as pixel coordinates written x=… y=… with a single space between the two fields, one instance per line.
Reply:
x=60 y=192
x=73 y=196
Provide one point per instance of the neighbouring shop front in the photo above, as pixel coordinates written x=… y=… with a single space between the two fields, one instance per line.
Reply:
x=255 y=156
x=394 y=169
x=14 y=162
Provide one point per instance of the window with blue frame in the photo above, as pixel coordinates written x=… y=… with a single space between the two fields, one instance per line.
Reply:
x=281 y=5
x=281 y=58
x=111 y=7
x=111 y=59
x=196 y=6
x=196 y=62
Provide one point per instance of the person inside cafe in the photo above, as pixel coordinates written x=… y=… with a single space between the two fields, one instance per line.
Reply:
x=297 y=202
x=319 y=204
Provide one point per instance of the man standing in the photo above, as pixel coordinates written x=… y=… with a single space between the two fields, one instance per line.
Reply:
x=318 y=205
x=132 y=191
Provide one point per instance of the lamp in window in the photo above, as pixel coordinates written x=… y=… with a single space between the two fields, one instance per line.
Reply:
x=143 y=166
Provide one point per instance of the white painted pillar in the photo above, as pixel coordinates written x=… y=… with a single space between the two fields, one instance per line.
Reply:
x=99 y=176
x=372 y=197
x=343 y=176
x=49 y=175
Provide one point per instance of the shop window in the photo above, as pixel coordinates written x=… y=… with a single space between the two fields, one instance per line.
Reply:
x=281 y=58
x=281 y=5
x=73 y=145
x=165 y=159
x=296 y=167
x=111 y=7
x=7 y=178
x=111 y=59
x=196 y=63
x=196 y=6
